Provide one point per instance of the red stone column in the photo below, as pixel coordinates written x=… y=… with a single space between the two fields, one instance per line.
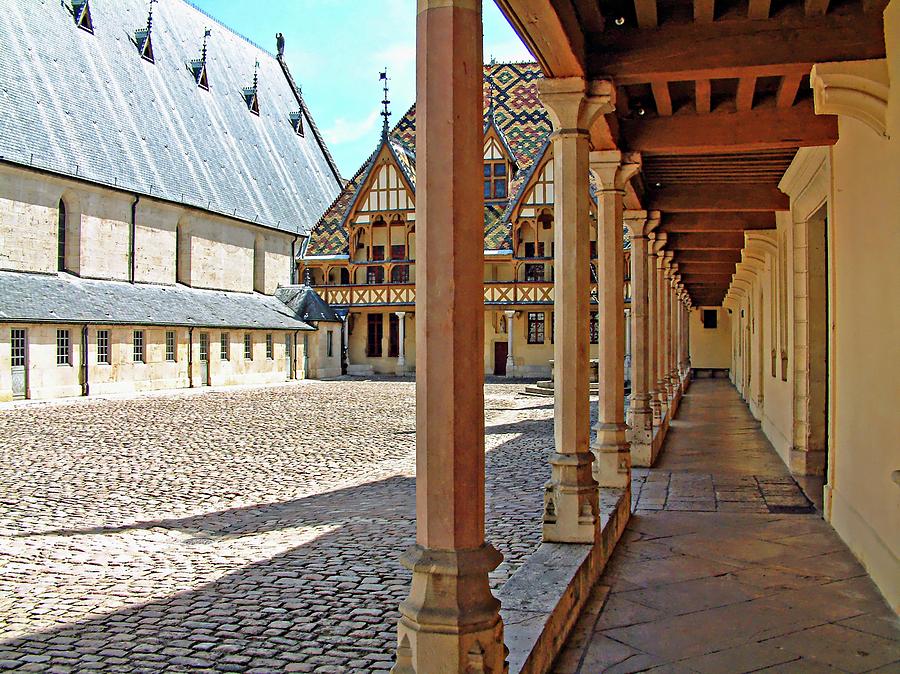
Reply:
x=450 y=621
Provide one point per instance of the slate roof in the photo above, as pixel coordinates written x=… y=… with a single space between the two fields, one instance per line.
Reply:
x=64 y=298
x=306 y=303
x=524 y=127
x=87 y=105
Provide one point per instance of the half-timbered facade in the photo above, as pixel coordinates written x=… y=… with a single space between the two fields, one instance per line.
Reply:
x=362 y=254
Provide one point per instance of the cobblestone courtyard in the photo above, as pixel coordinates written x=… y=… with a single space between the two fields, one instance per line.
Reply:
x=241 y=530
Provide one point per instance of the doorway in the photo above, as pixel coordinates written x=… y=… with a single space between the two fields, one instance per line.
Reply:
x=204 y=359
x=501 y=352
x=19 y=362
x=288 y=357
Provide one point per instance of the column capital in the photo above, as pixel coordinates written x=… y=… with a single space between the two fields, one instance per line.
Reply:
x=657 y=243
x=574 y=104
x=510 y=313
x=400 y=314
x=614 y=169
x=641 y=224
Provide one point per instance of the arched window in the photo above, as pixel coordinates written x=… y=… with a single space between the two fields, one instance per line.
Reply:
x=61 y=237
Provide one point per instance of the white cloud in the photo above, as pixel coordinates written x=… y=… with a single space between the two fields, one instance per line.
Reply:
x=348 y=130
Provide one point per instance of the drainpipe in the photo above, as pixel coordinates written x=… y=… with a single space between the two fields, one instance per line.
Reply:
x=190 y=357
x=132 y=234
x=306 y=355
x=85 y=387
x=294 y=359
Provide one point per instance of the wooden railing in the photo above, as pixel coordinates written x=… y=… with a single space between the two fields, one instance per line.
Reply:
x=499 y=292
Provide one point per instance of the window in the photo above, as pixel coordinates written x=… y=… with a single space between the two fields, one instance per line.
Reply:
x=374 y=275
x=17 y=344
x=103 y=346
x=377 y=252
x=248 y=346
x=534 y=273
x=81 y=10
x=710 y=319
x=495 y=180
x=400 y=274
x=329 y=344
x=63 y=356
x=225 y=346
x=297 y=122
x=398 y=252
x=270 y=351
x=535 y=327
x=595 y=329
x=61 y=238
x=532 y=250
x=374 y=335
x=170 y=346
x=138 y=346
x=393 y=335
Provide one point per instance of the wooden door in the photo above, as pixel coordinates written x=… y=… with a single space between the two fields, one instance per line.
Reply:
x=501 y=351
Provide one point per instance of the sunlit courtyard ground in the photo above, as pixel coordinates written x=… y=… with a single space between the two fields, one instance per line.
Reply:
x=251 y=529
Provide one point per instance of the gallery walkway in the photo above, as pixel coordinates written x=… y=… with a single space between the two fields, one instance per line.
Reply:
x=726 y=567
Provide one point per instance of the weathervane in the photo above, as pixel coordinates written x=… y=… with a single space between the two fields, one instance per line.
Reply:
x=255 y=74
x=150 y=16
x=206 y=34
x=386 y=113
x=490 y=80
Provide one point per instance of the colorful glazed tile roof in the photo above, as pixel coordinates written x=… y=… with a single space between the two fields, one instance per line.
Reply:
x=524 y=127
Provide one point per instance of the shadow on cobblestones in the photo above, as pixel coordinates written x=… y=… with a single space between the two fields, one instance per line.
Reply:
x=303 y=583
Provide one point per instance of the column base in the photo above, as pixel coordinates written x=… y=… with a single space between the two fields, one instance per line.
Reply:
x=571 y=500
x=401 y=369
x=642 y=437
x=450 y=622
x=612 y=463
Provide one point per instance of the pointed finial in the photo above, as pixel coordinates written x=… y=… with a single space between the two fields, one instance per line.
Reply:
x=150 y=16
x=490 y=79
x=255 y=74
x=386 y=113
x=206 y=34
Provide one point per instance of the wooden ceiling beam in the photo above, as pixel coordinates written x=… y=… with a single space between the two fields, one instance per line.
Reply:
x=592 y=20
x=761 y=129
x=759 y=9
x=733 y=256
x=737 y=48
x=745 y=90
x=715 y=222
x=553 y=36
x=787 y=90
x=706 y=241
x=662 y=98
x=712 y=197
x=703 y=96
x=646 y=13
x=815 y=7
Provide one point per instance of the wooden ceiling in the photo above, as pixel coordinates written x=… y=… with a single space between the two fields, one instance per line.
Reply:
x=715 y=96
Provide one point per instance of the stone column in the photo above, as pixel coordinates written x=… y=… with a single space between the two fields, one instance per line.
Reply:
x=612 y=467
x=401 y=342
x=571 y=508
x=667 y=325
x=450 y=622
x=510 y=360
x=345 y=340
x=661 y=390
x=675 y=382
x=653 y=330
x=639 y=226
x=629 y=320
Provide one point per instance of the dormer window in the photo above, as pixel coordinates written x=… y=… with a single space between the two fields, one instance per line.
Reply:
x=297 y=122
x=250 y=93
x=198 y=66
x=145 y=44
x=81 y=10
x=495 y=180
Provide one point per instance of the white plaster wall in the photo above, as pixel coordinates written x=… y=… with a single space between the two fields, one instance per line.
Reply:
x=710 y=347
x=322 y=366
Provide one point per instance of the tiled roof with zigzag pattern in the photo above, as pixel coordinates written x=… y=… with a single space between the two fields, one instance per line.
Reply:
x=517 y=113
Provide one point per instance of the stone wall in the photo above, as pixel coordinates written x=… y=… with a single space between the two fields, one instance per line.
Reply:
x=123 y=374
x=210 y=251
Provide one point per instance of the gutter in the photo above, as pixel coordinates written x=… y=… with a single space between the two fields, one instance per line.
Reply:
x=132 y=233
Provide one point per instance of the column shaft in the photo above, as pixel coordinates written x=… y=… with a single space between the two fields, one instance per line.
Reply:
x=641 y=414
x=510 y=359
x=571 y=507
x=653 y=331
x=450 y=621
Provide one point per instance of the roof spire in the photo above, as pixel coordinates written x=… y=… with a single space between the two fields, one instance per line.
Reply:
x=206 y=34
x=255 y=74
x=386 y=113
x=490 y=79
x=150 y=17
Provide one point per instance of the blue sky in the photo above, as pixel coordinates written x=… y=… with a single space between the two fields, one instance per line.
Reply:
x=335 y=49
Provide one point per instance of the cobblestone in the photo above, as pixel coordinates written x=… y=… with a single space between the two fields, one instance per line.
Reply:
x=253 y=528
